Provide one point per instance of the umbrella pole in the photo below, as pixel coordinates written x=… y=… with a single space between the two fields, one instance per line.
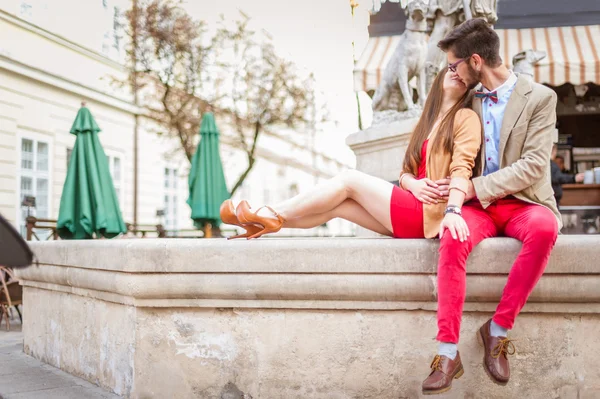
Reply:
x=207 y=230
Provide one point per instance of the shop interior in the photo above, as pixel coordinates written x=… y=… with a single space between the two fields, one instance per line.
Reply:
x=578 y=123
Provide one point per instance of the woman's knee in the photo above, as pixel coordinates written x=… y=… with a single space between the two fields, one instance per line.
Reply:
x=349 y=178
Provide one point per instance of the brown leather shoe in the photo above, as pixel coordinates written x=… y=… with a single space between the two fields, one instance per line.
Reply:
x=443 y=371
x=496 y=351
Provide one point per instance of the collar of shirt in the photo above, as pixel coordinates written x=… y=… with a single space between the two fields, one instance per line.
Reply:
x=504 y=87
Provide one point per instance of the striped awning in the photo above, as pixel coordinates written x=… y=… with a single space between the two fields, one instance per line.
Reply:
x=573 y=55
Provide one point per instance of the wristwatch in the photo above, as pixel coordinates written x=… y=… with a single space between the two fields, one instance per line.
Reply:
x=453 y=209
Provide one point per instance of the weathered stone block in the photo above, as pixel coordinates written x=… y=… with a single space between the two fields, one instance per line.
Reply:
x=305 y=318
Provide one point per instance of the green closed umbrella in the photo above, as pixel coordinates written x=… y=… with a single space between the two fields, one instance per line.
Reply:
x=89 y=203
x=207 y=180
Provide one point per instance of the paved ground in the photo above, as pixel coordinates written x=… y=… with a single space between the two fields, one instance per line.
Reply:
x=23 y=377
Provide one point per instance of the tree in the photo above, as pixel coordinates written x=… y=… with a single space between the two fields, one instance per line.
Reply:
x=168 y=58
x=180 y=71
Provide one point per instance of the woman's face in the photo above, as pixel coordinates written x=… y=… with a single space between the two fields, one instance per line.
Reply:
x=453 y=86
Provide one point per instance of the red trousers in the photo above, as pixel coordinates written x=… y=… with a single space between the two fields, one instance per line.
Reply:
x=535 y=226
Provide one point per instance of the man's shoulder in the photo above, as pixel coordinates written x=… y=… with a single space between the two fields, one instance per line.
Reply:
x=542 y=92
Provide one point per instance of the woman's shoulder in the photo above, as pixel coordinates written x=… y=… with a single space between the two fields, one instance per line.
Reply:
x=466 y=116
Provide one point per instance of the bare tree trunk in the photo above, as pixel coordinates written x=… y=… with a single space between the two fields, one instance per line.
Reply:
x=251 y=159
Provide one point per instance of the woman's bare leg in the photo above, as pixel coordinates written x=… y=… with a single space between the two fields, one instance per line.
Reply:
x=349 y=210
x=371 y=193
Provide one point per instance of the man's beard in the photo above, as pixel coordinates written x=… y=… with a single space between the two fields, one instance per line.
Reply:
x=474 y=77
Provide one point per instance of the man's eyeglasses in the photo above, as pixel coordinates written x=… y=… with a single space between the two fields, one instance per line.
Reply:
x=452 y=67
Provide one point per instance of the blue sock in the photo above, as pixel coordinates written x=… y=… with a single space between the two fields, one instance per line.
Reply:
x=497 y=331
x=448 y=349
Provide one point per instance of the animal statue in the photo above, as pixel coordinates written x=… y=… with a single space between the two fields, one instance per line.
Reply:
x=394 y=92
x=524 y=62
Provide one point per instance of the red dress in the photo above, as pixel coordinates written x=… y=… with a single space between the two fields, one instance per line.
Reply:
x=405 y=210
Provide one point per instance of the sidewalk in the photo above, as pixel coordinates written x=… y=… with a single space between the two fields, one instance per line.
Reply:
x=22 y=376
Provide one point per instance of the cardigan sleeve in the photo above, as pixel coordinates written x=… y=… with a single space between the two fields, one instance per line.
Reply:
x=467 y=143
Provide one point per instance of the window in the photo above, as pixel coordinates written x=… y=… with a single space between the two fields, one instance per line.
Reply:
x=114 y=166
x=170 y=198
x=34 y=180
x=118 y=29
x=26 y=9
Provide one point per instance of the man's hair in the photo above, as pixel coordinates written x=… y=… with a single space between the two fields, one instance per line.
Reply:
x=474 y=36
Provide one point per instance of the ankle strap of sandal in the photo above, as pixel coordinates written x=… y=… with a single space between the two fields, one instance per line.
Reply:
x=279 y=217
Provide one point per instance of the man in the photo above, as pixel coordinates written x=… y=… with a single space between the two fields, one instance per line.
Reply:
x=512 y=196
x=559 y=177
x=560 y=161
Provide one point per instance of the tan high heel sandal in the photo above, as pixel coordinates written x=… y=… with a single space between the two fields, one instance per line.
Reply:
x=269 y=225
x=228 y=216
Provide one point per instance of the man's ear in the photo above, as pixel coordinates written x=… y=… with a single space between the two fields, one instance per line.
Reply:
x=476 y=62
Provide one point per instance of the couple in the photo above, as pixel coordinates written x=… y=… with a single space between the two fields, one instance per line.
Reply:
x=468 y=174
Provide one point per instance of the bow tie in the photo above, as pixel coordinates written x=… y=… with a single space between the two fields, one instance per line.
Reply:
x=492 y=95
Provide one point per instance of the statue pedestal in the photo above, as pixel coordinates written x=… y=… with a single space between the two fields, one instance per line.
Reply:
x=380 y=149
x=380 y=152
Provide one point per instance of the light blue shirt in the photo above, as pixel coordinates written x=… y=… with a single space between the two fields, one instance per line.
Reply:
x=492 y=115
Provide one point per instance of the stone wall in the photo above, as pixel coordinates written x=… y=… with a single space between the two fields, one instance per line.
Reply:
x=303 y=318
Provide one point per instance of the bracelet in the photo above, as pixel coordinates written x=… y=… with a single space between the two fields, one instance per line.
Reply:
x=459 y=189
x=402 y=178
x=453 y=209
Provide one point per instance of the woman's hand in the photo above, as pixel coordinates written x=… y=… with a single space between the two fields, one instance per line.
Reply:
x=456 y=225
x=425 y=190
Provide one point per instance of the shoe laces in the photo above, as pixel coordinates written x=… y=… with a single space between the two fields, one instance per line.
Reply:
x=503 y=347
x=436 y=364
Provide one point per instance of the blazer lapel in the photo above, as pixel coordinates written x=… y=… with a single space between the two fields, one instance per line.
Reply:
x=477 y=108
x=514 y=108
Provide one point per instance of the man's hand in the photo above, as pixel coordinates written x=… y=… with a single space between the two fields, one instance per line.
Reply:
x=443 y=187
x=456 y=225
x=425 y=190
x=470 y=192
x=579 y=177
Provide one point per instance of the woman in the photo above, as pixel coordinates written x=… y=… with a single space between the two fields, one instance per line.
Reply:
x=445 y=143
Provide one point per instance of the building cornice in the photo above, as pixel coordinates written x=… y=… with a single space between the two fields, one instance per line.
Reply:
x=14 y=20
x=68 y=85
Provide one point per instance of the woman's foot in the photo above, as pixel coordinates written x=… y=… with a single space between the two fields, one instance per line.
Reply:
x=271 y=222
x=228 y=216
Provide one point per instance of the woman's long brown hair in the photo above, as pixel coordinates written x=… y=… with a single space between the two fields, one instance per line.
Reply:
x=444 y=140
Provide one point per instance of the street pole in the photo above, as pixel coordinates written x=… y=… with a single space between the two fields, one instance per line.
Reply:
x=353 y=5
x=134 y=87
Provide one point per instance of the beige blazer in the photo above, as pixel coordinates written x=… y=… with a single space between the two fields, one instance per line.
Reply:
x=458 y=164
x=525 y=146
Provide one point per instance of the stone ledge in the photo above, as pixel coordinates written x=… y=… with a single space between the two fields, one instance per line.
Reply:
x=302 y=318
x=573 y=254
x=301 y=273
x=375 y=136
x=315 y=304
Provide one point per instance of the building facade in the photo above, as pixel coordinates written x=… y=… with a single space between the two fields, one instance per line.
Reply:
x=47 y=69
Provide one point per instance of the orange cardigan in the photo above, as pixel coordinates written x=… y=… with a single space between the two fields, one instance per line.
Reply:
x=458 y=164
